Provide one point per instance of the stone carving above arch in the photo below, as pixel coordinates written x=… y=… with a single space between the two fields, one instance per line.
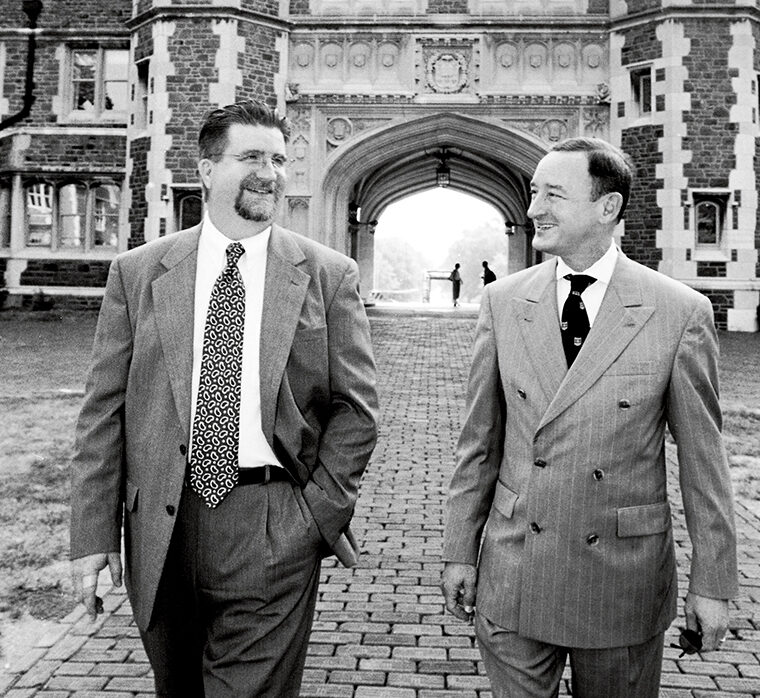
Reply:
x=546 y=64
x=447 y=72
x=444 y=66
x=536 y=63
x=553 y=130
x=344 y=64
x=565 y=62
x=331 y=62
x=596 y=122
x=339 y=130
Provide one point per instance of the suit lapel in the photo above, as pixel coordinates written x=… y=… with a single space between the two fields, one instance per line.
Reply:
x=536 y=316
x=173 y=298
x=285 y=288
x=620 y=318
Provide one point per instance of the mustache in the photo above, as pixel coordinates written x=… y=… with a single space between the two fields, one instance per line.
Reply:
x=254 y=182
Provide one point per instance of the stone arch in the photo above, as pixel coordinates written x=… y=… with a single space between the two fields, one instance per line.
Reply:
x=488 y=160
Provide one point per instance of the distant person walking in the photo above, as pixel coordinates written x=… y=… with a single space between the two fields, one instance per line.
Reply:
x=456 y=283
x=488 y=275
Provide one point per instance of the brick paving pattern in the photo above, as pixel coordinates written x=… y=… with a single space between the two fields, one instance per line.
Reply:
x=380 y=630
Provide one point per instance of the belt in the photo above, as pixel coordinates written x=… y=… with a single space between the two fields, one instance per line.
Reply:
x=261 y=475
x=255 y=476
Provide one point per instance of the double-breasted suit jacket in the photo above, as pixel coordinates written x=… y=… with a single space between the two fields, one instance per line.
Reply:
x=318 y=399
x=561 y=473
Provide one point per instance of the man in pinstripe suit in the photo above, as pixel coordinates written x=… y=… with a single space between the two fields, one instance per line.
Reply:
x=558 y=524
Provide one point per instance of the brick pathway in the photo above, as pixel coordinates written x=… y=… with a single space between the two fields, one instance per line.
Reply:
x=380 y=629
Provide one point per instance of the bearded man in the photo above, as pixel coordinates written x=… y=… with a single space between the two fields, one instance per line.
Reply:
x=228 y=417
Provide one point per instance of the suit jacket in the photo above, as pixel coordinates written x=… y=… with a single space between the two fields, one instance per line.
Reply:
x=561 y=473
x=318 y=399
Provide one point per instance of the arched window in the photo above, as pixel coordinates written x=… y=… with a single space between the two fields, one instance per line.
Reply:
x=709 y=218
x=189 y=210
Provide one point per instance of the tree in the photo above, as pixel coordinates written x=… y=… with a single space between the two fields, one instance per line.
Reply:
x=399 y=267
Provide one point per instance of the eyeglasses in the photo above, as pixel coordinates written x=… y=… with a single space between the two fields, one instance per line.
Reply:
x=689 y=642
x=256 y=159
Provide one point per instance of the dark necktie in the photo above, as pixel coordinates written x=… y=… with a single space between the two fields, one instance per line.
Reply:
x=575 y=324
x=216 y=427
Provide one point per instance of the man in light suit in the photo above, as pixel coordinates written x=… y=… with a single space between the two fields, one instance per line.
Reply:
x=558 y=532
x=228 y=417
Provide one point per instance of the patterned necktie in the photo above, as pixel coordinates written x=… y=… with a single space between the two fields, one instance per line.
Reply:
x=575 y=324
x=216 y=427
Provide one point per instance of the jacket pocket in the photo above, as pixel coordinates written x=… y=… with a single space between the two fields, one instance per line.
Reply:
x=504 y=500
x=130 y=496
x=644 y=520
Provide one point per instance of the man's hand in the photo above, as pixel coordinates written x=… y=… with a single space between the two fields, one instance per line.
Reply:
x=458 y=582
x=84 y=572
x=708 y=616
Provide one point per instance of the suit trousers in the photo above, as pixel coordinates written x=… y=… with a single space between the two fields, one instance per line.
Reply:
x=519 y=667
x=237 y=594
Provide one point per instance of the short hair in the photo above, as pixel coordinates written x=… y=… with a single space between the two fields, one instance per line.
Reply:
x=610 y=169
x=212 y=138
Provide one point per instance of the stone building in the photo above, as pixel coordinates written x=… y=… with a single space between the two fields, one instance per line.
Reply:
x=382 y=93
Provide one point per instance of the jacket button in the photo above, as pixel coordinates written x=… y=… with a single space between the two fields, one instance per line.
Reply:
x=539 y=463
x=624 y=404
x=183 y=449
x=522 y=393
x=593 y=539
x=170 y=509
x=535 y=528
x=598 y=474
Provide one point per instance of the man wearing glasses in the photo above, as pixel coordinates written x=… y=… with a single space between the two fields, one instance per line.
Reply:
x=229 y=415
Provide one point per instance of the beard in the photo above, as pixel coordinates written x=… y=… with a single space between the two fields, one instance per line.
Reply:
x=258 y=200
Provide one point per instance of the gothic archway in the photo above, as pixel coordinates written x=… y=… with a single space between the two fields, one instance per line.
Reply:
x=381 y=166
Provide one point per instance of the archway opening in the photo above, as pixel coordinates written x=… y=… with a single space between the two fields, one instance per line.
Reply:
x=419 y=238
x=382 y=166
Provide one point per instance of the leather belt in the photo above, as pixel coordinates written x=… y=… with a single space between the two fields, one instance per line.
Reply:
x=255 y=476
x=261 y=475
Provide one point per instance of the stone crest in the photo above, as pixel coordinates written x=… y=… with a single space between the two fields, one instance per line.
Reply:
x=447 y=72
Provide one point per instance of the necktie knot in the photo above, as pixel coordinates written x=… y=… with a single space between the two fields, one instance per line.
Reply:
x=234 y=251
x=579 y=282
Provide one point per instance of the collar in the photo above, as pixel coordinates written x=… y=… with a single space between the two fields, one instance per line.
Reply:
x=216 y=242
x=601 y=270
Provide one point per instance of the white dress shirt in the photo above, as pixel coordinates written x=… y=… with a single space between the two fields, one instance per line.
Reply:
x=254 y=450
x=593 y=296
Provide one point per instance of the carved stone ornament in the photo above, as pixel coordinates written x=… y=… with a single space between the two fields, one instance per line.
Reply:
x=603 y=93
x=300 y=147
x=387 y=59
x=552 y=130
x=595 y=122
x=593 y=60
x=535 y=60
x=360 y=60
x=447 y=72
x=339 y=130
x=291 y=92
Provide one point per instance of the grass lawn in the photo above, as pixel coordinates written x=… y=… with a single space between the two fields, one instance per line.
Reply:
x=41 y=383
